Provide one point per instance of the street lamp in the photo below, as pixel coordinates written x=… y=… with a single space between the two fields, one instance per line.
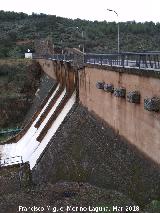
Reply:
x=118 y=26
x=82 y=33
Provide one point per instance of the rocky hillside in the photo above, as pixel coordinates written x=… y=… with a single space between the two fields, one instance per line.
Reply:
x=17 y=191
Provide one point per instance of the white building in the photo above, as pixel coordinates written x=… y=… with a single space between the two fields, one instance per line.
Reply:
x=28 y=54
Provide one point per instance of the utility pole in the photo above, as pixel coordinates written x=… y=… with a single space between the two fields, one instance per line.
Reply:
x=83 y=40
x=82 y=33
x=117 y=27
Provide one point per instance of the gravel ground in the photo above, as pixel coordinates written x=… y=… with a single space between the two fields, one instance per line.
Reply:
x=71 y=196
x=84 y=150
x=86 y=164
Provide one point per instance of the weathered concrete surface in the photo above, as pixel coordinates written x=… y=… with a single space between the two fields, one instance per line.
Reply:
x=48 y=67
x=46 y=83
x=140 y=127
x=84 y=150
x=62 y=72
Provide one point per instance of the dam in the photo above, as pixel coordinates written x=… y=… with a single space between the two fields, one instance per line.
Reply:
x=94 y=124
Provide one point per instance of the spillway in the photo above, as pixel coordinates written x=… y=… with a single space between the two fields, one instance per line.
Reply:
x=28 y=147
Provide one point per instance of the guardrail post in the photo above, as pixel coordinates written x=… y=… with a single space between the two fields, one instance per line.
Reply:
x=158 y=61
x=101 y=59
x=122 y=60
x=145 y=59
x=139 y=63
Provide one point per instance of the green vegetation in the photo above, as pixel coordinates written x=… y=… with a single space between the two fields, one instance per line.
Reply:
x=3 y=138
x=15 y=78
x=153 y=207
x=18 y=31
x=19 y=80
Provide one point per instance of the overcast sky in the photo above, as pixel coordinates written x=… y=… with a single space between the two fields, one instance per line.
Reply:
x=128 y=10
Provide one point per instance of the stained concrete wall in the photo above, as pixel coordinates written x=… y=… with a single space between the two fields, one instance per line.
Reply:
x=84 y=150
x=62 y=72
x=48 y=66
x=139 y=126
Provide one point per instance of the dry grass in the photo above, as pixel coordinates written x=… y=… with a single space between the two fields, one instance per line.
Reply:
x=13 y=62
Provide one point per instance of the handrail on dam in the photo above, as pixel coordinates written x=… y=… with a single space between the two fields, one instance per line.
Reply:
x=10 y=131
x=138 y=60
x=58 y=57
x=12 y=160
x=75 y=59
x=145 y=60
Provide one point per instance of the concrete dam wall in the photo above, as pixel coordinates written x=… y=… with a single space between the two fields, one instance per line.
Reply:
x=84 y=149
x=129 y=118
x=80 y=146
x=132 y=115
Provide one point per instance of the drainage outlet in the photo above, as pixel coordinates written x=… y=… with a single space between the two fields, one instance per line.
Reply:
x=152 y=104
x=108 y=88
x=133 y=97
x=100 y=85
x=120 y=92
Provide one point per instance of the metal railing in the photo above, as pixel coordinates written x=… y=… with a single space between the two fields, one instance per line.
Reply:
x=11 y=161
x=75 y=59
x=147 y=60
x=10 y=131
x=143 y=60
x=59 y=57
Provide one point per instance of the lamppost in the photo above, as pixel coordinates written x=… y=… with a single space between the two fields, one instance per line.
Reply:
x=83 y=40
x=82 y=33
x=117 y=26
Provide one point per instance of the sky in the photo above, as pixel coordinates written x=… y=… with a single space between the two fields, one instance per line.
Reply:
x=128 y=10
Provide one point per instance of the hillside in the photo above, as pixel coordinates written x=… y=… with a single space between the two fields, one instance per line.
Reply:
x=19 y=81
x=18 y=31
